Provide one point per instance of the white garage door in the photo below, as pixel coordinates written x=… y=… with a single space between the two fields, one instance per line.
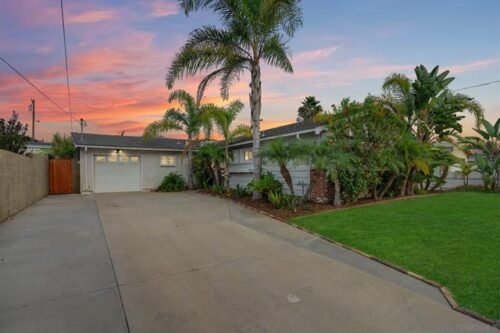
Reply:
x=117 y=173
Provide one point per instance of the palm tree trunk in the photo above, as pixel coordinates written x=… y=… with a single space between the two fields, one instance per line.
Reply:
x=288 y=178
x=388 y=185
x=443 y=177
x=402 y=192
x=190 y=166
x=337 y=202
x=226 y=168
x=255 y=108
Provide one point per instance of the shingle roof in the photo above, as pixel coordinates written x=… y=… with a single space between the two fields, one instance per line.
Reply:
x=283 y=130
x=136 y=142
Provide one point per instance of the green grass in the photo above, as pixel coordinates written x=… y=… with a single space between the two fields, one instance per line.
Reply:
x=451 y=238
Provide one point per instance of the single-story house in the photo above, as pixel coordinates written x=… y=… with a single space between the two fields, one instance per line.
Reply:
x=113 y=163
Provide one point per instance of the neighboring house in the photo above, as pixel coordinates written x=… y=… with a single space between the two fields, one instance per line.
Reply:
x=112 y=163
x=455 y=177
x=241 y=167
x=36 y=147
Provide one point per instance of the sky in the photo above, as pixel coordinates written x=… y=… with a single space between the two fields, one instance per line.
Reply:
x=119 y=52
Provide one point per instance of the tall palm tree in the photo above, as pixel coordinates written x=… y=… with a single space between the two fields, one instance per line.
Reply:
x=223 y=119
x=189 y=120
x=253 y=31
x=415 y=157
x=281 y=153
x=215 y=154
x=310 y=108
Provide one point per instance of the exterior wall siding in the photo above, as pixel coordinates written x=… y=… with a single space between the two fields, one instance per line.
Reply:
x=152 y=172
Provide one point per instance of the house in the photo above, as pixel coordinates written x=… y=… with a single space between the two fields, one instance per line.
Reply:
x=241 y=167
x=37 y=147
x=112 y=163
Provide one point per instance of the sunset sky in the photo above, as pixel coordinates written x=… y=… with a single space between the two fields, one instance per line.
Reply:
x=119 y=52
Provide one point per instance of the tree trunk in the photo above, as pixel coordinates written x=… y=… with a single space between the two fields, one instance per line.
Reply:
x=255 y=109
x=217 y=173
x=446 y=168
x=337 y=201
x=402 y=191
x=288 y=178
x=226 y=168
x=190 y=166
x=388 y=185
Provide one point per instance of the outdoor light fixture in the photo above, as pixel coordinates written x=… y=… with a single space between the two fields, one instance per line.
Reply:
x=117 y=151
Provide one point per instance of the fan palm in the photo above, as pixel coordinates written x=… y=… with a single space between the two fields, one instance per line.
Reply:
x=253 y=31
x=223 y=119
x=310 y=108
x=281 y=153
x=189 y=120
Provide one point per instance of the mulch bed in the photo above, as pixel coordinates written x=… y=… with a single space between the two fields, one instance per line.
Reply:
x=286 y=214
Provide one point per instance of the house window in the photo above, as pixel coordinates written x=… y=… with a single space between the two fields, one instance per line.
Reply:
x=100 y=159
x=134 y=159
x=248 y=155
x=112 y=158
x=168 y=160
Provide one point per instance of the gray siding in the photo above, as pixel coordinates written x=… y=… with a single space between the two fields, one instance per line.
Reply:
x=152 y=172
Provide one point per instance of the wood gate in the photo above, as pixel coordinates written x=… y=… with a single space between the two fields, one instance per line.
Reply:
x=61 y=176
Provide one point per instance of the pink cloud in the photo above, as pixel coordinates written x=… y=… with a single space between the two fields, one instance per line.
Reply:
x=473 y=66
x=92 y=16
x=315 y=55
x=161 y=8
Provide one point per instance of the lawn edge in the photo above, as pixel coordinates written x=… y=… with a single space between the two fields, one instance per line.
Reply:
x=442 y=289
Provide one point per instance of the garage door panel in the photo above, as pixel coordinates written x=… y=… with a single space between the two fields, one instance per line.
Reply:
x=114 y=173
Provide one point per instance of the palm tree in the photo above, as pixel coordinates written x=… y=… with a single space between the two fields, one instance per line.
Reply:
x=310 y=108
x=465 y=170
x=223 y=119
x=281 y=153
x=488 y=143
x=415 y=157
x=215 y=154
x=188 y=120
x=253 y=31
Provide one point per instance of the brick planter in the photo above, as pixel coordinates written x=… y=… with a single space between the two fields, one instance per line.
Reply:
x=321 y=190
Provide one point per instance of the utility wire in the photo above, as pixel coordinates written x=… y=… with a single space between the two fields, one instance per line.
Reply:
x=34 y=86
x=479 y=85
x=66 y=60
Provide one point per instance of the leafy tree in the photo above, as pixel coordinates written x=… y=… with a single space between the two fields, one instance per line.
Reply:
x=281 y=153
x=310 y=108
x=189 y=120
x=62 y=146
x=13 y=134
x=253 y=31
x=488 y=170
x=431 y=111
x=415 y=156
x=223 y=119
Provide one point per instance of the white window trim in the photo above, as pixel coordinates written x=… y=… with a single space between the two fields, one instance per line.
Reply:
x=168 y=165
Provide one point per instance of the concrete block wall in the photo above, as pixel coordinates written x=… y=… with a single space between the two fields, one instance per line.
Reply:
x=23 y=181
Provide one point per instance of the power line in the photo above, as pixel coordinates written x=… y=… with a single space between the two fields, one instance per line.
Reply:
x=479 y=85
x=36 y=88
x=66 y=60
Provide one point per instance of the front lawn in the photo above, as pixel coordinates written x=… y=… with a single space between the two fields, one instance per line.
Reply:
x=451 y=238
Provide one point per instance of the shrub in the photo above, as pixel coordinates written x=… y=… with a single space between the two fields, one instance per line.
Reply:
x=241 y=191
x=218 y=189
x=276 y=199
x=292 y=202
x=267 y=183
x=353 y=184
x=173 y=182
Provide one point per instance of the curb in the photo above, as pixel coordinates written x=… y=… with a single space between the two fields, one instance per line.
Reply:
x=444 y=291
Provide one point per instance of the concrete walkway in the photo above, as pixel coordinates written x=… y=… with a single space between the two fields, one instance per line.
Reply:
x=192 y=263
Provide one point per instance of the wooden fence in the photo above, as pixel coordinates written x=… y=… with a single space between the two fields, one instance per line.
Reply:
x=60 y=176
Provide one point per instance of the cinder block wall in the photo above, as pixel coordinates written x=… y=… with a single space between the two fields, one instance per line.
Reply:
x=23 y=181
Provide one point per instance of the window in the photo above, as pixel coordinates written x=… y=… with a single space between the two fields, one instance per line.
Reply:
x=112 y=158
x=134 y=159
x=248 y=156
x=124 y=159
x=167 y=160
x=100 y=159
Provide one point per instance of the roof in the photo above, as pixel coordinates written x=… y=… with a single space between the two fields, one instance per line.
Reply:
x=38 y=144
x=290 y=129
x=131 y=142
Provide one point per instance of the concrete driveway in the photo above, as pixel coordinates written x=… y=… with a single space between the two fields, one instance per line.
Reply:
x=186 y=262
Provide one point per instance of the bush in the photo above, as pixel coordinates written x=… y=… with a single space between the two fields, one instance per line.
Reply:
x=218 y=189
x=173 y=182
x=241 y=191
x=266 y=184
x=352 y=183
x=276 y=199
